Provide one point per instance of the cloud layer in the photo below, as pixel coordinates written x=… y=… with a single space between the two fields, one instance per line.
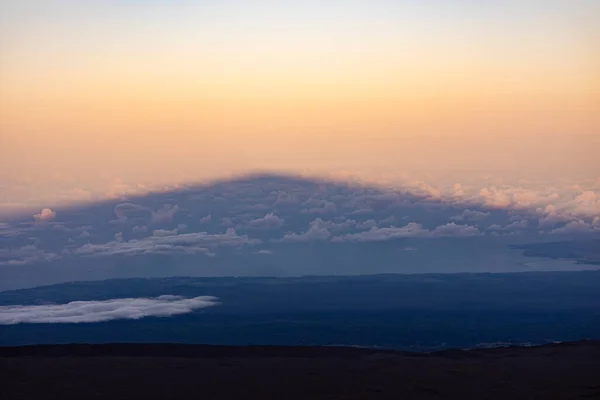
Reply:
x=100 y=311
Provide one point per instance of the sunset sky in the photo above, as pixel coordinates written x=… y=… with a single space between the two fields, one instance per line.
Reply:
x=103 y=96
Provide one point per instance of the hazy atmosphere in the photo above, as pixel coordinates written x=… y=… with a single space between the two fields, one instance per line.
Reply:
x=256 y=199
x=496 y=100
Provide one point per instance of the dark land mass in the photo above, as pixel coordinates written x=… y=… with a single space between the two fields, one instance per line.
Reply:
x=172 y=371
x=582 y=251
x=404 y=312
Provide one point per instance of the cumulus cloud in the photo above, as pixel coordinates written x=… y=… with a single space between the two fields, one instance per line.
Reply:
x=378 y=234
x=165 y=214
x=285 y=198
x=455 y=230
x=164 y=232
x=324 y=207
x=45 y=215
x=269 y=221
x=411 y=230
x=267 y=252
x=206 y=219
x=317 y=231
x=100 y=311
x=388 y=221
x=494 y=197
x=140 y=229
x=189 y=243
x=470 y=215
x=124 y=211
x=368 y=224
x=28 y=254
x=576 y=227
x=513 y=226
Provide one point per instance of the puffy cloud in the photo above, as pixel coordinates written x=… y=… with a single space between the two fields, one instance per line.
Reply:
x=269 y=221
x=454 y=230
x=124 y=211
x=576 y=227
x=368 y=224
x=25 y=255
x=285 y=198
x=388 y=221
x=266 y=252
x=60 y=228
x=494 y=197
x=513 y=226
x=9 y=231
x=336 y=226
x=325 y=207
x=317 y=231
x=164 y=232
x=189 y=243
x=106 y=310
x=411 y=230
x=119 y=236
x=140 y=229
x=206 y=219
x=458 y=190
x=378 y=234
x=165 y=214
x=470 y=215
x=45 y=215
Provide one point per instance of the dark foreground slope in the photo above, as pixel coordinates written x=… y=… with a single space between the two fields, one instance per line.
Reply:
x=142 y=371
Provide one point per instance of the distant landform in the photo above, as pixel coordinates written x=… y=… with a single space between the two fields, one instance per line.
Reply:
x=583 y=252
x=419 y=312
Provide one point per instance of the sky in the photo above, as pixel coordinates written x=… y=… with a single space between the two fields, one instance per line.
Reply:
x=102 y=98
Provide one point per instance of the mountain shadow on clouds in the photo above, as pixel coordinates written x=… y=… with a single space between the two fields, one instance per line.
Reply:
x=274 y=225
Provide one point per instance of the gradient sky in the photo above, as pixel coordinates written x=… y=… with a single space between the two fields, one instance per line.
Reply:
x=95 y=94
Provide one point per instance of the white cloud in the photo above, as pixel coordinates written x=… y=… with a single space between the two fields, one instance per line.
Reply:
x=206 y=219
x=317 y=231
x=264 y=252
x=324 y=207
x=454 y=230
x=513 y=226
x=124 y=211
x=164 y=232
x=45 y=215
x=368 y=224
x=285 y=198
x=8 y=231
x=99 y=311
x=269 y=221
x=388 y=221
x=119 y=236
x=25 y=255
x=470 y=215
x=189 y=243
x=412 y=229
x=377 y=234
x=575 y=227
x=165 y=214
x=140 y=229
